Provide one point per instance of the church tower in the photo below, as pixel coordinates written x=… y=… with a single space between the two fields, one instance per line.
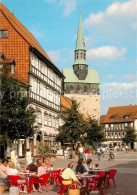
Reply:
x=80 y=65
x=81 y=83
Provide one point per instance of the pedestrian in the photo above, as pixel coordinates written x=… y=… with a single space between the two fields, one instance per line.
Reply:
x=86 y=154
x=81 y=152
x=28 y=157
x=103 y=151
x=65 y=154
x=99 y=153
x=126 y=148
x=12 y=154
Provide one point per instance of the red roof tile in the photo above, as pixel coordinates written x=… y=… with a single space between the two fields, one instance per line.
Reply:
x=116 y=114
x=23 y=31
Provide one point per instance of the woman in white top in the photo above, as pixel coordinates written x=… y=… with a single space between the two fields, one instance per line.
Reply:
x=12 y=170
x=28 y=157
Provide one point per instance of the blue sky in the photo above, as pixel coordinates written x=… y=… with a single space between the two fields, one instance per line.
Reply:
x=110 y=29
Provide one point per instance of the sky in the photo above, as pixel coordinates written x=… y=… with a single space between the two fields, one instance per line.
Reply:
x=110 y=30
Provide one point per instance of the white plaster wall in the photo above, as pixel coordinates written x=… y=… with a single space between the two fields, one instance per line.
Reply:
x=89 y=104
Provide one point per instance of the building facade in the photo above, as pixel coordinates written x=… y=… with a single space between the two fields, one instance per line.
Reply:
x=82 y=83
x=117 y=121
x=34 y=67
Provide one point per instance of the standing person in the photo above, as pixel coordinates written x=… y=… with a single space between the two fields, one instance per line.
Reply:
x=12 y=154
x=65 y=154
x=99 y=153
x=103 y=152
x=28 y=157
x=126 y=148
x=81 y=152
x=86 y=153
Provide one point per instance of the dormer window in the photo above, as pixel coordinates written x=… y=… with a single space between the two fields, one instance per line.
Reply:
x=126 y=116
x=3 y=33
x=112 y=117
x=12 y=69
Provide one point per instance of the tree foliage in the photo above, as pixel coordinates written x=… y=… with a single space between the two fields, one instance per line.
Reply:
x=94 y=132
x=78 y=128
x=130 y=136
x=73 y=124
x=17 y=119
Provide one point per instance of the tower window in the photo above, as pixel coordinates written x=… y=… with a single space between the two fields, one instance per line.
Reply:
x=85 y=88
x=84 y=55
x=71 y=88
x=3 y=33
x=81 y=55
x=77 y=55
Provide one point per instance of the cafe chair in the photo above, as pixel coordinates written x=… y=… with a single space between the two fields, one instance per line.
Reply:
x=64 y=183
x=42 y=180
x=18 y=181
x=54 y=177
x=111 y=175
x=95 y=183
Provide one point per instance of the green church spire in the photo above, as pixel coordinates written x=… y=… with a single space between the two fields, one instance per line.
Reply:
x=80 y=44
x=80 y=65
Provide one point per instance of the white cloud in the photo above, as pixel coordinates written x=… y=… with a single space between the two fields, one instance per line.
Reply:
x=106 y=52
x=129 y=76
x=54 y=55
x=119 y=86
x=69 y=6
x=116 y=23
x=110 y=76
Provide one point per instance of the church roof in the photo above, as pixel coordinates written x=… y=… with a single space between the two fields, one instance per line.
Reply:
x=92 y=76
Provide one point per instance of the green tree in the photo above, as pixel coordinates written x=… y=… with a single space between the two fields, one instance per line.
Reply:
x=94 y=133
x=17 y=118
x=73 y=125
x=130 y=136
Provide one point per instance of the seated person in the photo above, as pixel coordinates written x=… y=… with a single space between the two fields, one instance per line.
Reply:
x=80 y=168
x=32 y=168
x=12 y=170
x=87 y=165
x=68 y=173
x=4 y=167
x=46 y=164
x=41 y=169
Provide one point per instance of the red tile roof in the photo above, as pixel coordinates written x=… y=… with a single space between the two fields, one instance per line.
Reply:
x=116 y=114
x=102 y=118
x=66 y=103
x=18 y=26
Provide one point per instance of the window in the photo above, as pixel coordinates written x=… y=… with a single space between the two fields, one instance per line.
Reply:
x=39 y=117
x=3 y=33
x=81 y=55
x=45 y=119
x=50 y=121
x=12 y=69
x=126 y=116
x=112 y=117
x=77 y=55
x=85 y=88
x=57 y=123
x=53 y=122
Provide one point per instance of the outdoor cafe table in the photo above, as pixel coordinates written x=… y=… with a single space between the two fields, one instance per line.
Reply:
x=27 y=175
